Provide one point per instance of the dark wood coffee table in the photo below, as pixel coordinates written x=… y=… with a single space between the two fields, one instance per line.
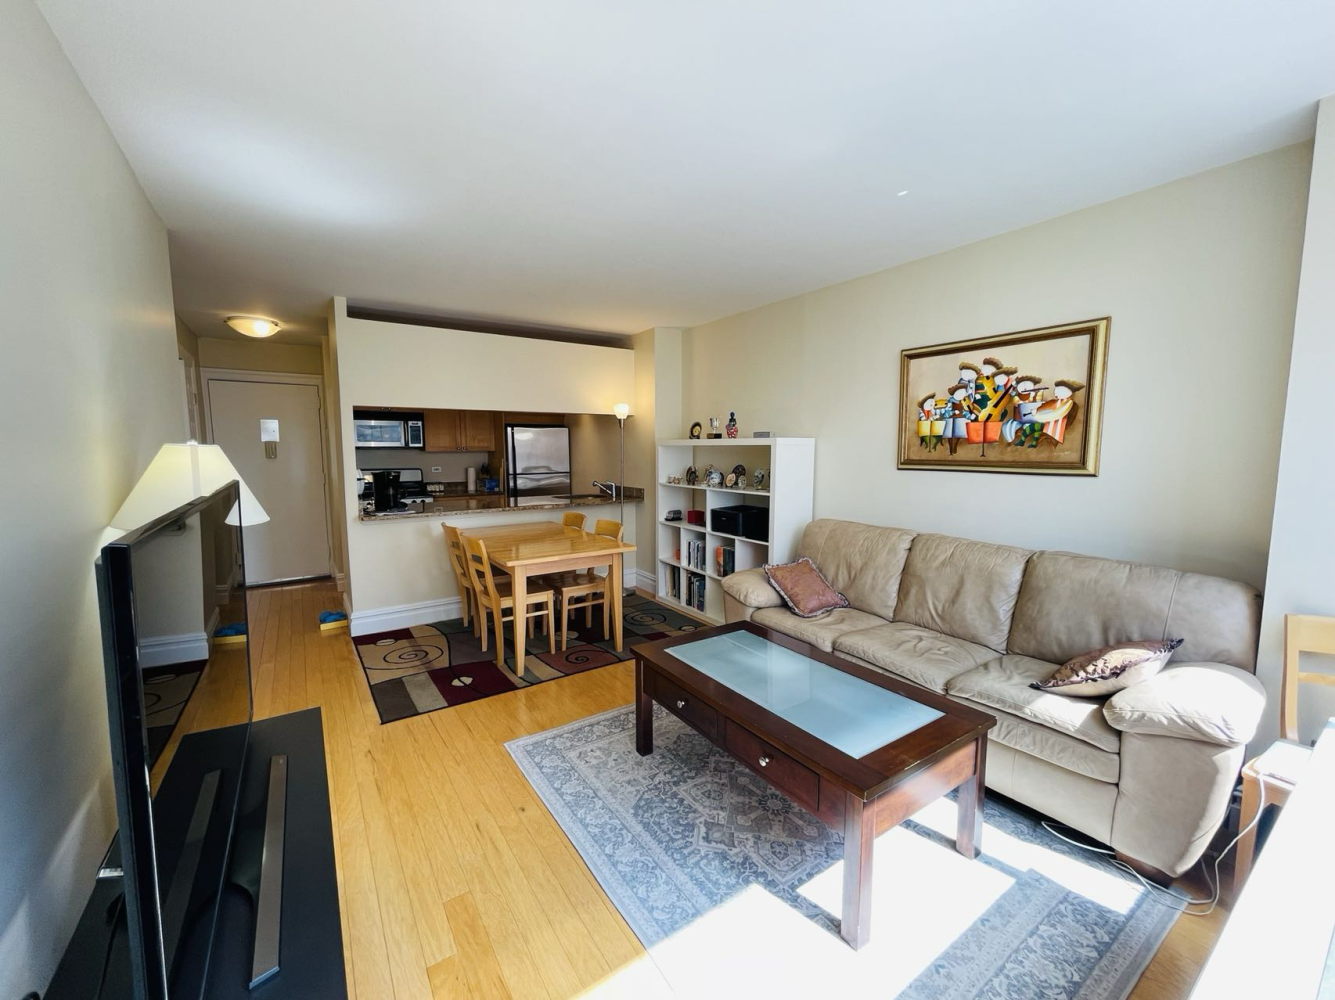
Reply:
x=859 y=749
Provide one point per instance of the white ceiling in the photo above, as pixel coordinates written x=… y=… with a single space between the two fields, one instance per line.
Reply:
x=617 y=164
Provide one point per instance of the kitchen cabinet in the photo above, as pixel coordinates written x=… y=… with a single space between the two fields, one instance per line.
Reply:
x=477 y=430
x=458 y=430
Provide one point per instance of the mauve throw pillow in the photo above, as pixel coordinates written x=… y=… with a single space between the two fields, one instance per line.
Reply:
x=802 y=587
x=1110 y=669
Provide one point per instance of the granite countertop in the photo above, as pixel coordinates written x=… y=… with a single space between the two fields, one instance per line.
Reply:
x=491 y=503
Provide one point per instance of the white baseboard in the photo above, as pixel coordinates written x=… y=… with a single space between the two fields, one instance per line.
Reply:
x=162 y=650
x=405 y=615
x=646 y=580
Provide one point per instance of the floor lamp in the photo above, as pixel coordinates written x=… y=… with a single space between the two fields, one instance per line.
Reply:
x=622 y=411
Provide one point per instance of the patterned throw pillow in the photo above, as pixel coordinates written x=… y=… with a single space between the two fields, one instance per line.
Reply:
x=1110 y=669
x=802 y=587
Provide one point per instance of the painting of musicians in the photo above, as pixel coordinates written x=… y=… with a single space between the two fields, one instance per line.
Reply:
x=1020 y=402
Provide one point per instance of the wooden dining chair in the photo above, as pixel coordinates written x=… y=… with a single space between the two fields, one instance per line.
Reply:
x=573 y=519
x=1275 y=772
x=454 y=548
x=583 y=588
x=495 y=596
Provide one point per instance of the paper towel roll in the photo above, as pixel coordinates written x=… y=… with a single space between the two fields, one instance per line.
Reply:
x=472 y=479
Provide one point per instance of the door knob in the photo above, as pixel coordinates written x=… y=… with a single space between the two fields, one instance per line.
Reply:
x=681 y=703
x=764 y=761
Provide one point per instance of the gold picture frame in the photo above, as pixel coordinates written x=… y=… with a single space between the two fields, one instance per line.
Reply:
x=978 y=406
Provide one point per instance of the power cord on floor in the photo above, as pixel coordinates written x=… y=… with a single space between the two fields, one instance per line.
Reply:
x=1187 y=901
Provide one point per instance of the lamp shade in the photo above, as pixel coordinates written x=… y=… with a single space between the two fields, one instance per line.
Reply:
x=178 y=474
x=622 y=410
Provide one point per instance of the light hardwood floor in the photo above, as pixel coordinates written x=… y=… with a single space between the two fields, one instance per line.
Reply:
x=454 y=881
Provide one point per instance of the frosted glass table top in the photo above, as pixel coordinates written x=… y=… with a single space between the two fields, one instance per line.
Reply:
x=848 y=713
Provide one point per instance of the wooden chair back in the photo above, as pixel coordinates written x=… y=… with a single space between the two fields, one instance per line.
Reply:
x=479 y=571
x=573 y=519
x=609 y=529
x=454 y=546
x=1302 y=634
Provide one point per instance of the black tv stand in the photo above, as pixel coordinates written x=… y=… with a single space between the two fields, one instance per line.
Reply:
x=308 y=947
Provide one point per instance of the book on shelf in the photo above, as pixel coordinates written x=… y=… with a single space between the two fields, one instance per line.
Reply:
x=725 y=560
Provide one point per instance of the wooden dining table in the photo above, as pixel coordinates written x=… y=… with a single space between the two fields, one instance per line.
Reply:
x=532 y=548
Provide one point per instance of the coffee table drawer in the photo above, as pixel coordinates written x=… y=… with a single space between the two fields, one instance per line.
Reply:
x=690 y=708
x=796 y=780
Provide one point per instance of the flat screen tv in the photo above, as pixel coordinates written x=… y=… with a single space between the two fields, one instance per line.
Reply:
x=173 y=607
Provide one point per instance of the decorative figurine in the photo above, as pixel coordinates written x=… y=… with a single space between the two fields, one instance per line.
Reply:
x=692 y=477
x=732 y=424
x=695 y=430
x=739 y=470
x=759 y=479
x=713 y=477
x=713 y=428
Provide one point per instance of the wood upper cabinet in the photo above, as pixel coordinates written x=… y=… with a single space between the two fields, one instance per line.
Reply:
x=458 y=430
x=441 y=430
x=478 y=430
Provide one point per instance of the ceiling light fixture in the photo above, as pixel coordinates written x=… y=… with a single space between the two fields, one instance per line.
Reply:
x=901 y=194
x=253 y=326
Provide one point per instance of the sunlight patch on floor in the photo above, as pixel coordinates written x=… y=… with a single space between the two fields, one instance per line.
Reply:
x=1106 y=888
x=923 y=897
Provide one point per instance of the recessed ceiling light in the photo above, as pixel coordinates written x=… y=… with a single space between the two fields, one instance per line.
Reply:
x=253 y=326
x=901 y=194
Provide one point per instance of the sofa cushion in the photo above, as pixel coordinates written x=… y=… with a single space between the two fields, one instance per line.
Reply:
x=752 y=588
x=1071 y=603
x=1219 y=620
x=1048 y=744
x=1004 y=684
x=861 y=561
x=1197 y=701
x=927 y=658
x=820 y=632
x=962 y=588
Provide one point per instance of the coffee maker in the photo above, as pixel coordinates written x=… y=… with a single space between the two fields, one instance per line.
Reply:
x=385 y=490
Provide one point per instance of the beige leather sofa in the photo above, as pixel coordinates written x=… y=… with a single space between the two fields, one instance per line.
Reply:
x=1148 y=771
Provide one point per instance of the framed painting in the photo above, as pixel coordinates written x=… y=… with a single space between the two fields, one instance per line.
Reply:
x=1027 y=402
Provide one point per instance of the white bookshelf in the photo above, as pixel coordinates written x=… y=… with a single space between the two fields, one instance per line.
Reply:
x=787 y=495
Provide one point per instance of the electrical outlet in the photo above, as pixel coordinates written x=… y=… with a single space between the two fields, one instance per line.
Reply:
x=435 y=468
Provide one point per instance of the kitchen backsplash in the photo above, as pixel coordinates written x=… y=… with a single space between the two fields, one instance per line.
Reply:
x=453 y=465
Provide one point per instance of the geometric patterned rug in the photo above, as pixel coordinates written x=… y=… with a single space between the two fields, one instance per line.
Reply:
x=709 y=864
x=425 y=668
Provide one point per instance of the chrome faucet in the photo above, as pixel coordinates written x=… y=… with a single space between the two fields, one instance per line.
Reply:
x=609 y=488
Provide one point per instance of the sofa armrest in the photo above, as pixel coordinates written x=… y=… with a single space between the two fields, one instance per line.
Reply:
x=745 y=591
x=1211 y=702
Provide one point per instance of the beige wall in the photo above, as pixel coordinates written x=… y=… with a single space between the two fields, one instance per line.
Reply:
x=419 y=367
x=657 y=415
x=88 y=336
x=593 y=450
x=1301 y=572
x=261 y=356
x=1199 y=277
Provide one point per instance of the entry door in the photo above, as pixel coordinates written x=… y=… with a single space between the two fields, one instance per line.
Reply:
x=294 y=543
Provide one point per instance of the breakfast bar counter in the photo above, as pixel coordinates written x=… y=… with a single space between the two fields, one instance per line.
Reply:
x=499 y=503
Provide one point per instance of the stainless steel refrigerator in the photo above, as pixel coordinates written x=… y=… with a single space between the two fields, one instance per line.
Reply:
x=537 y=460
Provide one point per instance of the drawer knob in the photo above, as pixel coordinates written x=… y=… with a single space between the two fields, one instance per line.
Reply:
x=681 y=703
x=764 y=761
